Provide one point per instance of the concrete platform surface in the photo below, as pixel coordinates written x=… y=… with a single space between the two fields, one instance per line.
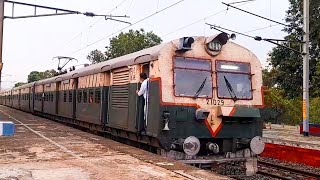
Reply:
x=42 y=149
x=290 y=136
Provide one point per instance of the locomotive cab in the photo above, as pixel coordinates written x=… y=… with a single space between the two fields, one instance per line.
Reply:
x=210 y=94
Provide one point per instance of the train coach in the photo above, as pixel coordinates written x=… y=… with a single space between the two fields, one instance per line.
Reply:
x=202 y=107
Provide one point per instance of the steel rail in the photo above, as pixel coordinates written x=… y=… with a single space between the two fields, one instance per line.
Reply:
x=294 y=170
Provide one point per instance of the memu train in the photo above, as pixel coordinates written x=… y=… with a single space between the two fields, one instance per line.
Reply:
x=204 y=96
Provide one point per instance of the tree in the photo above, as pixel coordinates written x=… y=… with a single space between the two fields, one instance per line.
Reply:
x=132 y=41
x=19 y=84
x=125 y=43
x=36 y=75
x=96 y=56
x=268 y=77
x=287 y=64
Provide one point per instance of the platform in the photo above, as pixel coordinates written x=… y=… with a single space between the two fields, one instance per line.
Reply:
x=44 y=149
x=290 y=135
x=287 y=144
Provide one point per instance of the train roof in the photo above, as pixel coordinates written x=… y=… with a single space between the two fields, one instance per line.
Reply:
x=138 y=57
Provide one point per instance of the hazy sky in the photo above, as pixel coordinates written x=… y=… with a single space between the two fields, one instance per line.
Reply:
x=30 y=44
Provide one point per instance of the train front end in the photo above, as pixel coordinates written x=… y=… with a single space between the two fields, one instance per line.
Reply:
x=211 y=91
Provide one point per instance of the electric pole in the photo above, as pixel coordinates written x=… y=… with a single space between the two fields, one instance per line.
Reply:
x=1 y=35
x=305 y=104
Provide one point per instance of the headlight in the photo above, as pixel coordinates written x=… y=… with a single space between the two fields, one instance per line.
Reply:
x=214 y=46
x=229 y=67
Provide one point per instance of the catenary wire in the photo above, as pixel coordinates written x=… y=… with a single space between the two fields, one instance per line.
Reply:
x=147 y=17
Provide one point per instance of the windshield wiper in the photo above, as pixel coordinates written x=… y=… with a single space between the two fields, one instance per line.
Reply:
x=230 y=89
x=200 y=88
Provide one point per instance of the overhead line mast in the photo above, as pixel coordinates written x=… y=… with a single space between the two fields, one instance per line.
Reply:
x=1 y=36
x=305 y=104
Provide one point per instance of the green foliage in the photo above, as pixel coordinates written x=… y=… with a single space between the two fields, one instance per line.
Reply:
x=286 y=64
x=132 y=41
x=19 y=84
x=36 y=75
x=284 y=98
x=96 y=56
x=280 y=109
x=269 y=77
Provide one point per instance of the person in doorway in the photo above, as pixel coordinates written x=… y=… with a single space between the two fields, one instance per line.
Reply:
x=144 y=93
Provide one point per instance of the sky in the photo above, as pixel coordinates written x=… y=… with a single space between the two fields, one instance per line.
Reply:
x=31 y=44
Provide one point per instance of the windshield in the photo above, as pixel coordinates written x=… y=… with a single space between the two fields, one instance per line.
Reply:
x=192 y=77
x=234 y=80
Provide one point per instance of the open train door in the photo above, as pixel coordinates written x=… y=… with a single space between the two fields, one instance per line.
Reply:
x=142 y=104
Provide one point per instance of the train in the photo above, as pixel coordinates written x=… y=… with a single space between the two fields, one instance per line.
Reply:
x=204 y=95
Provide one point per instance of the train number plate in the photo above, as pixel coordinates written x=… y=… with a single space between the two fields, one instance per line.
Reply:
x=216 y=102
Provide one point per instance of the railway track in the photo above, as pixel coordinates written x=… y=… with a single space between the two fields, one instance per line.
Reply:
x=284 y=172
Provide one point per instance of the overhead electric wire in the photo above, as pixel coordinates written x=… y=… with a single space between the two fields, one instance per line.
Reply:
x=93 y=24
x=202 y=19
x=228 y=5
x=261 y=28
x=129 y=6
x=195 y=22
x=140 y=20
x=241 y=2
x=257 y=38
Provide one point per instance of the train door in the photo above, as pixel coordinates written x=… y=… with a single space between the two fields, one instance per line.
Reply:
x=74 y=98
x=142 y=104
x=42 y=97
x=19 y=99
x=32 y=97
x=29 y=95
x=57 y=93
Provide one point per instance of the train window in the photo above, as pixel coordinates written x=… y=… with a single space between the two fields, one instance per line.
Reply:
x=192 y=77
x=233 y=80
x=85 y=96
x=65 y=96
x=98 y=95
x=52 y=97
x=70 y=96
x=90 y=95
x=189 y=63
x=79 y=97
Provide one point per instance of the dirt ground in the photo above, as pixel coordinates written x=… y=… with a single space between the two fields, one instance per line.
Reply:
x=42 y=149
